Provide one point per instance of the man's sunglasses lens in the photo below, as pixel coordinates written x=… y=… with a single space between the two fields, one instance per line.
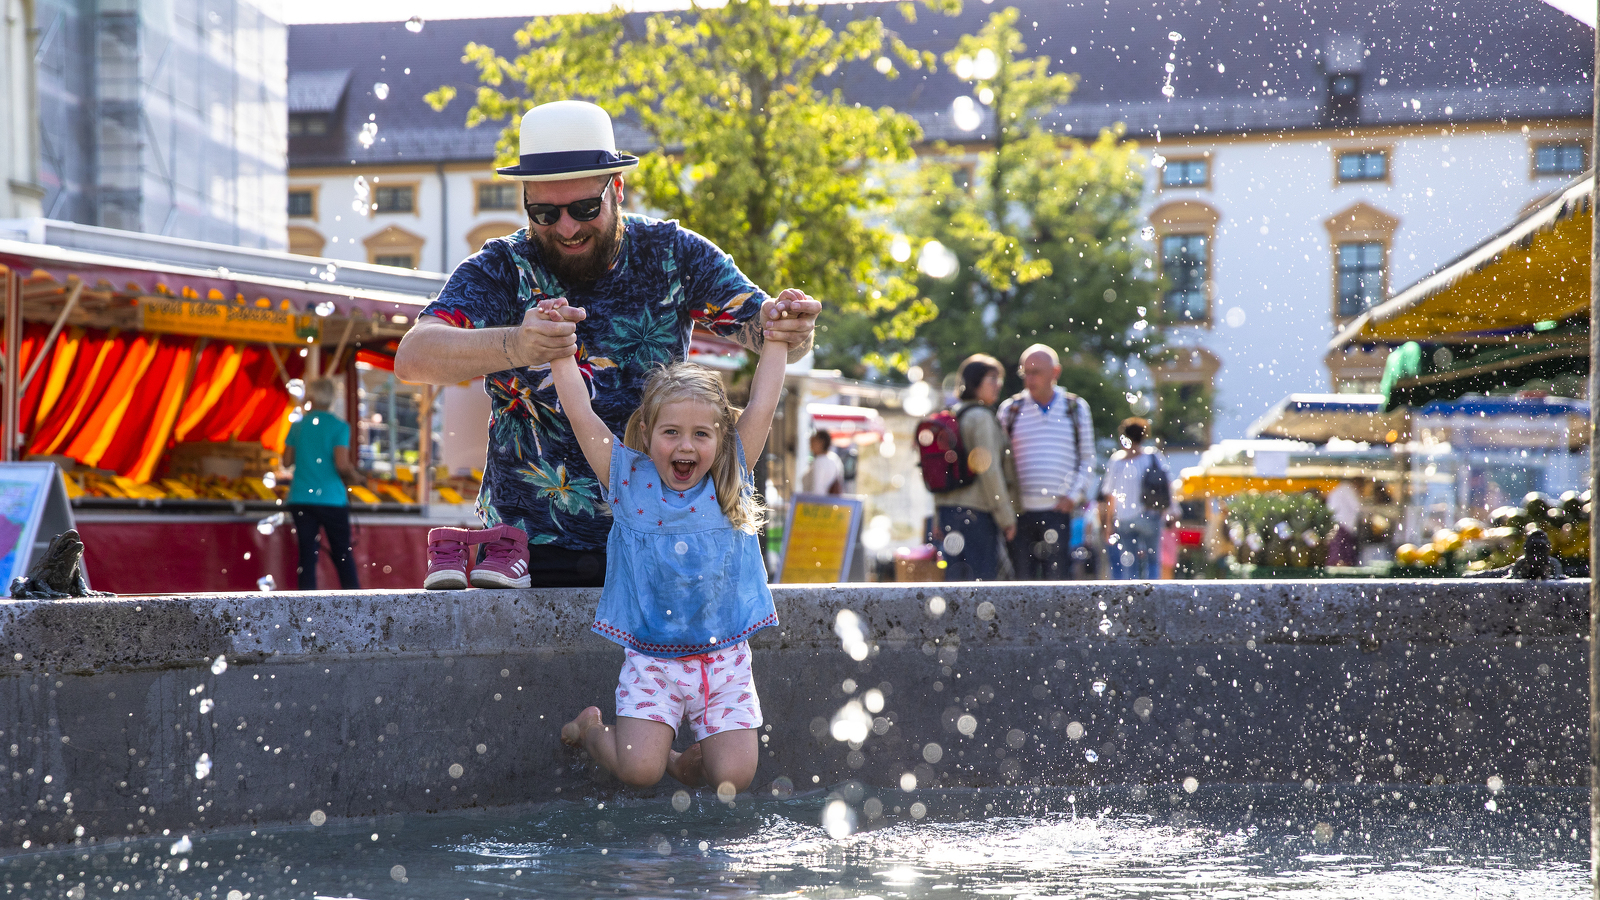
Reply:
x=579 y=210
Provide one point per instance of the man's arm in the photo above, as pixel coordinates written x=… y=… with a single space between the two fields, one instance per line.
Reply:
x=1081 y=481
x=792 y=319
x=436 y=352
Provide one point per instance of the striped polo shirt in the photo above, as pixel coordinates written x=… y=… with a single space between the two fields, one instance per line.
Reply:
x=1050 y=464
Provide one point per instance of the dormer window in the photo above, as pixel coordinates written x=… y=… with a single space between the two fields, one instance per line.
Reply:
x=1344 y=99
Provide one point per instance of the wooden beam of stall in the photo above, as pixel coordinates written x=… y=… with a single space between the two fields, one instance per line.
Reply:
x=13 y=349
x=50 y=340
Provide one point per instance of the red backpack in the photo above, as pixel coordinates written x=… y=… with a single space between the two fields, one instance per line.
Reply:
x=943 y=457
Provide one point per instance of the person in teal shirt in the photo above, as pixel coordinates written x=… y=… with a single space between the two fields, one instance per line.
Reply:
x=318 y=449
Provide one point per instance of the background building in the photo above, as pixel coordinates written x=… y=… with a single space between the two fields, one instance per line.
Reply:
x=19 y=113
x=1306 y=158
x=164 y=118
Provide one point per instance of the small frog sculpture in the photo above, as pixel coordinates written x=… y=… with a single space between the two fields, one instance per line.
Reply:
x=58 y=575
x=1535 y=564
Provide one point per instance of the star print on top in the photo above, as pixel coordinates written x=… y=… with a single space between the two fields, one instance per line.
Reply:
x=680 y=579
x=666 y=280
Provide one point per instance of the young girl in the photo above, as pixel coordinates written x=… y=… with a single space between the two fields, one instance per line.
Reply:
x=685 y=585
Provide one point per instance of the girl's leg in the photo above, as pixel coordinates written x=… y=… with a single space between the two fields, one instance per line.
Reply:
x=727 y=757
x=635 y=751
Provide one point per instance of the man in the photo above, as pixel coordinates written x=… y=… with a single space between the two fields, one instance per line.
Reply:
x=1130 y=518
x=1052 y=443
x=826 y=473
x=636 y=287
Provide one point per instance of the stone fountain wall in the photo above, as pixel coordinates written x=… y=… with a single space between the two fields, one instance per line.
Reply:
x=368 y=703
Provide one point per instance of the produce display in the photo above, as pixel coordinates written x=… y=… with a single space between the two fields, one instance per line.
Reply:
x=1564 y=520
x=1279 y=530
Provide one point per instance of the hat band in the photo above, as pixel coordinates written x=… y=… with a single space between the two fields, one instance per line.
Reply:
x=568 y=159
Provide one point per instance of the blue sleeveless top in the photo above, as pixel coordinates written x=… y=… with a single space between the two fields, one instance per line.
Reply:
x=680 y=579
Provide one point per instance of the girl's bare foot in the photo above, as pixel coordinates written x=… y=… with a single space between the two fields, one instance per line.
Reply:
x=572 y=733
x=688 y=767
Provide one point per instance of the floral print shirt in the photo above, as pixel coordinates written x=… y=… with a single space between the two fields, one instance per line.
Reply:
x=666 y=280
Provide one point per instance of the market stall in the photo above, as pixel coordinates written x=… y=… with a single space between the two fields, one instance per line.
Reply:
x=161 y=376
x=1510 y=311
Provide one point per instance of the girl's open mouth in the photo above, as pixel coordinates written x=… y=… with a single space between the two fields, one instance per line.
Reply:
x=681 y=470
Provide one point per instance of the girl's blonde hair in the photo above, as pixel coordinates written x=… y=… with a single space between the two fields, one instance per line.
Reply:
x=688 y=381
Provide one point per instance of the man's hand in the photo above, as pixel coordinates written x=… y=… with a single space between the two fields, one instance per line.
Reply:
x=1068 y=505
x=791 y=317
x=545 y=334
x=1011 y=532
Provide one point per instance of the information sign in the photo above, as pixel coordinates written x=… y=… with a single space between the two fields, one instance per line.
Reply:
x=33 y=510
x=229 y=322
x=819 y=539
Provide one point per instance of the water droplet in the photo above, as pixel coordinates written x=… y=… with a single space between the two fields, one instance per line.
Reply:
x=414 y=24
x=1091 y=756
x=918 y=810
x=219 y=665
x=325 y=308
x=1099 y=687
x=680 y=548
x=207 y=705
x=398 y=873
x=680 y=801
x=180 y=846
x=1168 y=90
x=266 y=583
x=967 y=725
x=456 y=771
x=381 y=91
x=1174 y=37
x=1191 y=784
x=1496 y=784
x=202 y=766
x=936 y=606
x=908 y=782
x=1075 y=730
x=986 y=611
x=932 y=753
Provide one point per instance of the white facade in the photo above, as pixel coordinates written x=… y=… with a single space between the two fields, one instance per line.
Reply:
x=19 y=112
x=1274 y=211
x=446 y=222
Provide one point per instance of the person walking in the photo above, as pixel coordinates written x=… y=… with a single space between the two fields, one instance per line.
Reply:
x=637 y=287
x=318 y=450
x=972 y=518
x=825 y=475
x=1052 y=446
x=1136 y=500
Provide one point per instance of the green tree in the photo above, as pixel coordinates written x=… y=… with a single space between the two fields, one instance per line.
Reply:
x=742 y=145
x=1041 y=246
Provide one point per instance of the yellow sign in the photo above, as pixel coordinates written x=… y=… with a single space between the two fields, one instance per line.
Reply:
x=232 y=322
x=820 y=538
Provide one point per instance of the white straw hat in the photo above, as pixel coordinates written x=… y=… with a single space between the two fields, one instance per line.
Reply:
x=567 y=139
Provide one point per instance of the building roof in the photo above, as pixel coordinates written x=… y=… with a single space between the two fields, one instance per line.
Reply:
x=317 y=90
x=1240 y=66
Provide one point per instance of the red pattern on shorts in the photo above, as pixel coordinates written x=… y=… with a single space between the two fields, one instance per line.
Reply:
x=716 y=691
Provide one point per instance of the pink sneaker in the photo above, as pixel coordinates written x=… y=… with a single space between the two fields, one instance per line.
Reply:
x=447 y=557
x=505 y=559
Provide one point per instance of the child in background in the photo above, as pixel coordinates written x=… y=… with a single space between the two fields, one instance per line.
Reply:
x=685 y=586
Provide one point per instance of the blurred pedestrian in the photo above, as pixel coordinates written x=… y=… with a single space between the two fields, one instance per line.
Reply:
x=1136 y=500
x=318 y=449
x=1052 y=446
x=972 y=518
x=825 y=475
x=1345 y=504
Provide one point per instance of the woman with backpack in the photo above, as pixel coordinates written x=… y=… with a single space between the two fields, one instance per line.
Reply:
x=975 y=508
x=1135 y=501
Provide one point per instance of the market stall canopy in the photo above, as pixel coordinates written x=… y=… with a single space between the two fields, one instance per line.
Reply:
x=1319 y=418
x=1506 y=423
x=847 y=424
x=1534 y=271
x=125 y=274
x=1272 y=465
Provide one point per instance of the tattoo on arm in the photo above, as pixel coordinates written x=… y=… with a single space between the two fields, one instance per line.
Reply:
x=751 y=336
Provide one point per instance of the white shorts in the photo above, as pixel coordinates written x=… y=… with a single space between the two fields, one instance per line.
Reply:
x=716 y=691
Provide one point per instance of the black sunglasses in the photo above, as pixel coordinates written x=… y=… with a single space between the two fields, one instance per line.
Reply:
x=580 y=210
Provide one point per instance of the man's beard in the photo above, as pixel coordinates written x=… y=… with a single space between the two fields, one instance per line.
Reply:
x=585 y=269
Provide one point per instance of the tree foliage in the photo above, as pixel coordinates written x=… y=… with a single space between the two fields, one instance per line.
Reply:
x=1043 y=239
x=742 y=142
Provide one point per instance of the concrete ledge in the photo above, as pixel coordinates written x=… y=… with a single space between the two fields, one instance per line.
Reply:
x=365 y=703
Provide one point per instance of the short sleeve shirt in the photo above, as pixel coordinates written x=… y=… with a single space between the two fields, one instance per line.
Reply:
x=666 y=279
x=316 y=481
x=680 y=579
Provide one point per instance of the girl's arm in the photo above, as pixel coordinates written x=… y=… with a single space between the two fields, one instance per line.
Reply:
x=765 y=390
x=593 y=436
